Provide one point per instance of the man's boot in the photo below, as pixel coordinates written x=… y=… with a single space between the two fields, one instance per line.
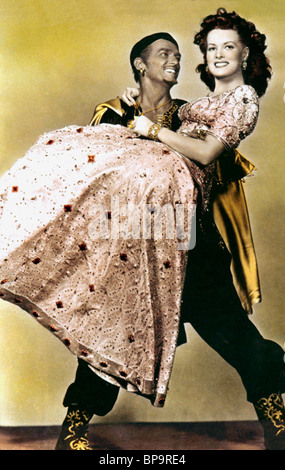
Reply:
x=271 y=414
x=74 y=430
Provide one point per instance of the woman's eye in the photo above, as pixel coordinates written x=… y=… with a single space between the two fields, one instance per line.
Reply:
x=229 y=47
x=210 y=49
x=164 y=54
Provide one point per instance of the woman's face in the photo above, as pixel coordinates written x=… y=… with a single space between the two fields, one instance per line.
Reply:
x=225 y=53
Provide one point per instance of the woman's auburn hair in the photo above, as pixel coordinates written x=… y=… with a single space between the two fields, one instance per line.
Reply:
x=258 y=70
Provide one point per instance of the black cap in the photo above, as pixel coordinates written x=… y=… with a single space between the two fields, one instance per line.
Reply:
x=146 y=41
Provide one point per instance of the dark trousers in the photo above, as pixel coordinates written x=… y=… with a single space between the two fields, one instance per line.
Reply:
x=90 y=392
x=211 y=305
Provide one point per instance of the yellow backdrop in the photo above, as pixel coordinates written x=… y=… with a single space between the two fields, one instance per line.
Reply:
x=58 y=59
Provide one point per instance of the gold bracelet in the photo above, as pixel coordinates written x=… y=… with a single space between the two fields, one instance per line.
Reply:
x=201 y=134
x=153 y=131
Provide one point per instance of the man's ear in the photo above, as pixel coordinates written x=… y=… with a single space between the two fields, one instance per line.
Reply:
x=139 y=65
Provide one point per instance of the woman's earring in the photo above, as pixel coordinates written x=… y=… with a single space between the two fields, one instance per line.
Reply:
x=207 y=68
x=244 y=65
x=142 y=72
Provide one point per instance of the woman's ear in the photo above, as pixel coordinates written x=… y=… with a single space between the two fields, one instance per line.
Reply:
x=245 y=53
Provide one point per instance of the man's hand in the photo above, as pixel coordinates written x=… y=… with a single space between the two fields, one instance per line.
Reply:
x=129 y=95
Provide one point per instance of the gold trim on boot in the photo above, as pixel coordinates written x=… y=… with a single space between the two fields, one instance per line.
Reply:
x=74 y=431
x=271 y=414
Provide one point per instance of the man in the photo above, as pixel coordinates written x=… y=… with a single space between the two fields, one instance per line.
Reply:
x=161 y=54
x=210 y=300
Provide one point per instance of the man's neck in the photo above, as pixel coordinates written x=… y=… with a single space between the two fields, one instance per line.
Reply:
x=153 y=95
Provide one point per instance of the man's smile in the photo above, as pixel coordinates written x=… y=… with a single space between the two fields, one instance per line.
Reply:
x=172 y=70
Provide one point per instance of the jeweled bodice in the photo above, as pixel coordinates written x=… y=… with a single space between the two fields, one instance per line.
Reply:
x=229 y=116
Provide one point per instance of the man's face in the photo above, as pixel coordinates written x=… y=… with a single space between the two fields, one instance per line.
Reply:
x=163 y=62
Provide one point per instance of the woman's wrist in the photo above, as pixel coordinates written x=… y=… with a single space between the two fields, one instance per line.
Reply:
x=153 y=131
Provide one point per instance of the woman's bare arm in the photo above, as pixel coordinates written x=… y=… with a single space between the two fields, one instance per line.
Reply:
x=202 y=151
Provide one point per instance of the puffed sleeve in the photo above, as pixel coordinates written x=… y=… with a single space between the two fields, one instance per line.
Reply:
x=236 y=116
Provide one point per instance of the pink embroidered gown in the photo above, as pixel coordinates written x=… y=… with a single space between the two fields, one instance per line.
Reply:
x=90 y=245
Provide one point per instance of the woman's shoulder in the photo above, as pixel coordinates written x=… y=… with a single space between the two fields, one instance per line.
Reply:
x=242 y=94
x=245 y=93
x=243 y=97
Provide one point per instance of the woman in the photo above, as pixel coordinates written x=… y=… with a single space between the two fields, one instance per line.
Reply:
x=113 y=300
x=236 y=71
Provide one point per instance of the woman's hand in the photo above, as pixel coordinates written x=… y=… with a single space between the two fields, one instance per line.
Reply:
x=141 y=125
x=129 y=95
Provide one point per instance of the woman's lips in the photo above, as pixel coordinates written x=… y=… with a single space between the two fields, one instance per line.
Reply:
x=221 y=64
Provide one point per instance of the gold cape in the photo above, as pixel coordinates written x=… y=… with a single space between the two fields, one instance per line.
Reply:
x=115 y=105
x=230 y=214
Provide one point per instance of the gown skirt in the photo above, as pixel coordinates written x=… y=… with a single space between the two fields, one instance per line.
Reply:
x=95 y=227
